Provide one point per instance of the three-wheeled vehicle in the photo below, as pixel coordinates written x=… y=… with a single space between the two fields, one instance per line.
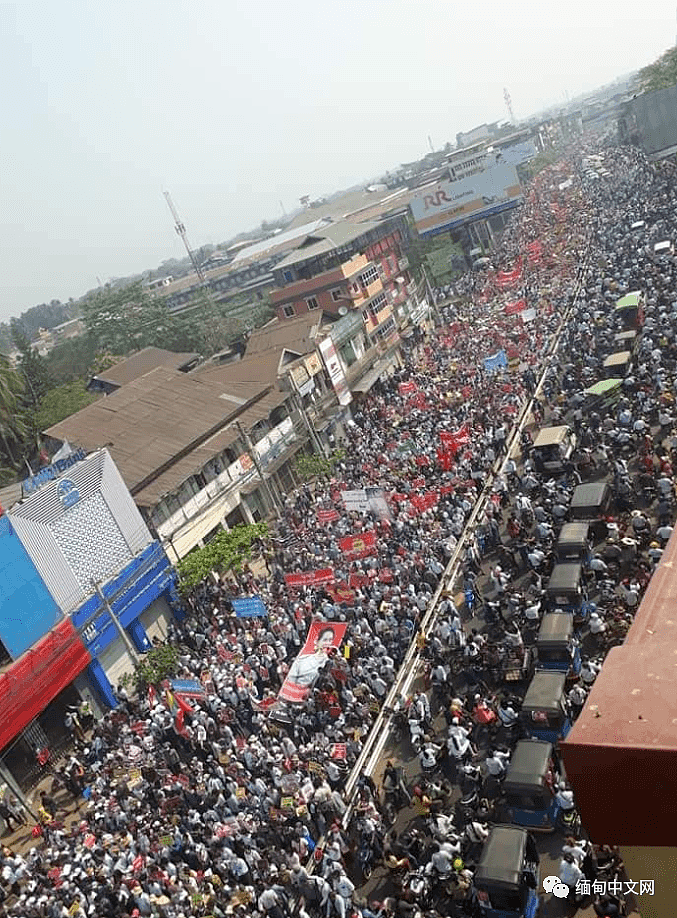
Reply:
x=529 y=786
x=618 y=365
x=556 y=646
x=573 y=543
x=507 y=878
x=544 y=715
x=566 y=590
x=630 y=311
x=592 y=502
x=602 y=394
x=627 y=340
x=552 y=448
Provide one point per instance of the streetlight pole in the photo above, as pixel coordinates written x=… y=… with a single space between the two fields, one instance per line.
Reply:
x=116 y=621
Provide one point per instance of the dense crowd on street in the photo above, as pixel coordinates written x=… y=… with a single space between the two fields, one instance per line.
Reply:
x=238 y=808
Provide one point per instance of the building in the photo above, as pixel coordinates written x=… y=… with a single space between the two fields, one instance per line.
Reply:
x=345 y=267
x=139 y=364
x=621 y=751
x=86 y=588
x=187 y=447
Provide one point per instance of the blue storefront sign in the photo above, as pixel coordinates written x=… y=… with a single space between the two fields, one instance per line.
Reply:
x=249 y=607
x=129 y=594
x=51 y=472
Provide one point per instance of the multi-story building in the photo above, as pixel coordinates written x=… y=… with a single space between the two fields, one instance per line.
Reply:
x=345 y=267
x=84 y=590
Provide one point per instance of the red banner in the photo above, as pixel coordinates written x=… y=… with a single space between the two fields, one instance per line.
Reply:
x=406 y=388
x=358 y=546
x=341 y=592
x=512 y=309
x=356 y=581
x=385 y=575
x=327 y=516
x=425 y=501
x=310 y=578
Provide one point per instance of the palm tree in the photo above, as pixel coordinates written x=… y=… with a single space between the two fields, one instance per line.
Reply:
x=13 y=426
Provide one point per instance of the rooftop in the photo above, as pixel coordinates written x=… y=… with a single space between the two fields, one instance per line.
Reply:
x=297 y=334
x=277 y=243
x=167 y=422
x=325 y=240
x=143 y=362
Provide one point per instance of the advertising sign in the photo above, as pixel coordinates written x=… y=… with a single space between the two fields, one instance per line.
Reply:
x=323 y=639
x=365 y=500
x=447 y=204
x=335 y=370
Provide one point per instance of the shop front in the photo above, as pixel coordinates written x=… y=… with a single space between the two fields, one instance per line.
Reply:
x=35 y=692
x=124 y=618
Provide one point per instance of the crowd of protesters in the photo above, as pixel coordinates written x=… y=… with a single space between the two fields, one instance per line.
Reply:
x=218 y=810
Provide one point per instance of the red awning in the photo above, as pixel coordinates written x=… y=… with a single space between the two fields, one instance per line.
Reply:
x=38 y=676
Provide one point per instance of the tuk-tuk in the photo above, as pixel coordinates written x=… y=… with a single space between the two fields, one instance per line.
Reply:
x=592 y=502
x=627 y=340
x=630 y=311
x=543 y=715
x=508 y=878
x=602 y=395
x=553 y=447
x=573 y=543
x=566 y=590
x=618 y=365
x=529 y=786
x=555 y=644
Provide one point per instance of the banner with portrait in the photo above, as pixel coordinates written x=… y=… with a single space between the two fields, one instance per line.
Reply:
x=322 y=642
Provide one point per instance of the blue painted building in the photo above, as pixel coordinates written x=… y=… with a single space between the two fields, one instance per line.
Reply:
x=89 y=544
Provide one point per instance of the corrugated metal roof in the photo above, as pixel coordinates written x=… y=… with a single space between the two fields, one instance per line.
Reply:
x=150 y=420
x=329 y=238
x=296 y=334
x=143 y=362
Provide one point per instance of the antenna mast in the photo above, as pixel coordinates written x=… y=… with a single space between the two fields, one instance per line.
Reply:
x=508 y=105
x=181 y=231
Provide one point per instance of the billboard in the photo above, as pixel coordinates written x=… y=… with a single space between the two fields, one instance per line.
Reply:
x=447 y=204
x=335 y=371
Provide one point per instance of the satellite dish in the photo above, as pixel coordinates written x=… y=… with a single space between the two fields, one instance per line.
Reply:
x=343 y=310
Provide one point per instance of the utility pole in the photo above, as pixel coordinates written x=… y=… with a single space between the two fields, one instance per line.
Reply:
x=7 y=776
x=297 y=401
x=116 y=621
x=264 y=481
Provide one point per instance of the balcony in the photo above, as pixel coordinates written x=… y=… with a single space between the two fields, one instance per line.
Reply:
x=321 y=281
x=366 y=293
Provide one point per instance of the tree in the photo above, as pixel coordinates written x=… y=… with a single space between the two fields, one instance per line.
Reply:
x=14 y=429
x=315 y=465
x=125 y=319
x=661 y=74
x=153 y=668
x=72 y=359
x=61 y=402
x=32 y=366
x=227 y=551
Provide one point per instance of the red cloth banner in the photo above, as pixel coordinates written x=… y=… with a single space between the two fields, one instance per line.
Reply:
x=358 y=546
x=341 y=592
x=327 y=516
x=407 y=388
x=512 y=309
x=425 y=501
x=356 y=581
x=385 y=575
x=310 y=578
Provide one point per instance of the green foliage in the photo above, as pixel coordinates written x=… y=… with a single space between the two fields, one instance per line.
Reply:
x=14 y=425
x=61 y=402
x=228 y=550
x=32 y=366
x=72 y=359
x=307 y=467
x=160 y=663
x=661 y=74
x=125 y=319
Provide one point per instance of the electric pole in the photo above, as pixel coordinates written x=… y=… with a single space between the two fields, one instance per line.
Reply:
x=508 y=105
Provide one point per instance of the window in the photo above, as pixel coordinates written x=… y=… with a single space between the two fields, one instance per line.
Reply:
x=311 y=302
x=369 y=276
x=288 y=311
x=337 y=294
x=288 y=276
x=377 y=304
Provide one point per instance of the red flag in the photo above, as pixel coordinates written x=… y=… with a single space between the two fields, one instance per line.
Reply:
x=358 y=546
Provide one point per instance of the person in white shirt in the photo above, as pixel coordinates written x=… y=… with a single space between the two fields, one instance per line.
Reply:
x=589 y=671
x=458 y=742
x=596 y=624
x=496 y=763
x=570 y=873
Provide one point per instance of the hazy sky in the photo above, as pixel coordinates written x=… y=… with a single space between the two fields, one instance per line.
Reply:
x=236 y=106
